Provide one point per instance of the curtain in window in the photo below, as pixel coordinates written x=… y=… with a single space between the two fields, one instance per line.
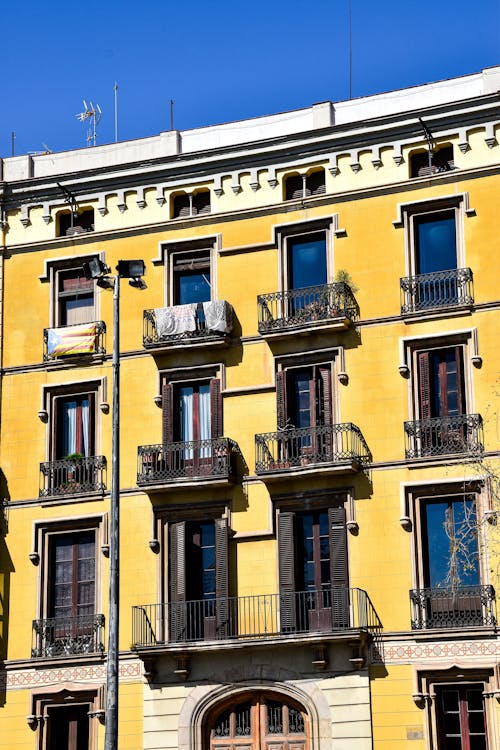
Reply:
x=69 y=428
x=75 y=427
x=204 y=418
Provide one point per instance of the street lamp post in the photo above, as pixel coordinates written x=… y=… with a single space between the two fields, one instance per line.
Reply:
x=134 y=271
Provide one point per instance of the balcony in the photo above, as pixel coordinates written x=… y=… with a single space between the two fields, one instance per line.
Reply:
x=453 y=607
x=444 y=436
x=314 y=308
x=198 y=324
x=187 y=463
x=79 y=341
x=72 y=476
x=338 y=448
x=434 y=291
x=68 y=636
x=336 y=612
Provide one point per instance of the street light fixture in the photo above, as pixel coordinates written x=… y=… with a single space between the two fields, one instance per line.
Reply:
x=133 y=270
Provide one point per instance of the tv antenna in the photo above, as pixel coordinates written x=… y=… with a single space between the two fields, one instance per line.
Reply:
x=94 y=114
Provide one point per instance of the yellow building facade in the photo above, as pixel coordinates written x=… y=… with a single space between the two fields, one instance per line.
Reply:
x=309 y=432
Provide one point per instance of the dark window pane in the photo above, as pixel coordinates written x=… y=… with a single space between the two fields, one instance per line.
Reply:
x=193 y=287
x=437 y=544
x=475 y=700
x=307 y=258
x=436 y=245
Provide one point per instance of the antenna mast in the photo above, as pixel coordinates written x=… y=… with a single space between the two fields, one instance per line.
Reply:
x=94 y=114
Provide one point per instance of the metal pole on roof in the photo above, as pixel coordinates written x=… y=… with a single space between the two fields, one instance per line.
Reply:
x=116 y=111
x=171 y=114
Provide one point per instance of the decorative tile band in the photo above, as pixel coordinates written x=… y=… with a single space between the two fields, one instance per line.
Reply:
x=404 y=652
x=129 y=671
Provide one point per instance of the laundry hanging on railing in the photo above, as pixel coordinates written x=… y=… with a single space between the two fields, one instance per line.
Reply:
x=174 y=320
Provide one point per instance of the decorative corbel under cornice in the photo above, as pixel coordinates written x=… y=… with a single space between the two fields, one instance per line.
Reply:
x=235 y=183
x=397 y=155
x=254 y=180
x=271 y=177
x=489 y=134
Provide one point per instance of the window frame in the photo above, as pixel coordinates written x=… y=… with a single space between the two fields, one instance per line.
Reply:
x=191 y=196
x=66 y=695
x=283 y=233
x=94 y=388
x=53 y=269
x=305 y=177
x=44 y=532
x=185 y=248
x=81 y=210
x=407 y=212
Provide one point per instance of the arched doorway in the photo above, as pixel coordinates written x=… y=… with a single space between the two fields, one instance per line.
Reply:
x=258 y=721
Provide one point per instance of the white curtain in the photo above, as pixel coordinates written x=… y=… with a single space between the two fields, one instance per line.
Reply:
x=204 y=418
x=69 y=428
x=85 y=426
x=187 y=425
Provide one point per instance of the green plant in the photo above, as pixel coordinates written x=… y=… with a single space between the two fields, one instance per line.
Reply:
x=344 y=277
x=74 y=457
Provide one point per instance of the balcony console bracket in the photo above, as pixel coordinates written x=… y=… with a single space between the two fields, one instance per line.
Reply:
x=320 y=657
x=149 y=669
x=182 y=666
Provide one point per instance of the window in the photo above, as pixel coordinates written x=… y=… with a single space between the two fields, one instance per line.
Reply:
x=441 y=161
x=75 y=297
x=258 y=722
x=198 y=579
x=305 y=185
x=70 y=223
x=69 y=623
x=441 y=382
x=191 y=277
x=65 y=717
x=74 y=418
x=461 y=720
x=68 y=727
x=191 y=204
x=306 y=261
x=436 y=274
x=73 y=465
x=312 y=548
x=449 y=592
x=304 y=412
x=192 y=411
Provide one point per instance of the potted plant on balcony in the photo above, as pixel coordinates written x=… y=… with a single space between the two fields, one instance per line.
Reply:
x=74 y=464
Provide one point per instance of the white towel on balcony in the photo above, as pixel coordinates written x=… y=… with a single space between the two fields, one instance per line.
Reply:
x=218 y=316
x=172 y=320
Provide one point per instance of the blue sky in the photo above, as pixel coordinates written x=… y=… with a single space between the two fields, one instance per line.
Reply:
x=219 y=60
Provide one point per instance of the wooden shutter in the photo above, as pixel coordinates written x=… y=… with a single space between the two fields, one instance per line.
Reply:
x=424 y=386
x=221 y=578
x=177 y=580
x=281 y=398
x=460 y=381
x=338 y=566
x=286 y=561
x=215 y=408
x=324 y=379
x=167 y=413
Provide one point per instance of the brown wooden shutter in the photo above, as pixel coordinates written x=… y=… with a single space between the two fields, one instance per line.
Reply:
x=286 y=562
x=221 y=577
x=325 y=395
x=177 y=580
x=215 y=408
x=338 y=566
x=92 y=422
x=460 y=381
x=281 y=398
x=167 y=413
x=424 y=386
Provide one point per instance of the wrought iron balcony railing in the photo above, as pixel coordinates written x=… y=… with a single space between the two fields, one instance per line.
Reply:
x=56 y=636
x=255 y=618
x=81 y=340
x=202 y=322
x=186 y=461
x=305 y=447
x=452 y=607
x=73 y=476
x=308 y=307
x=439 y=289
x=444 y=436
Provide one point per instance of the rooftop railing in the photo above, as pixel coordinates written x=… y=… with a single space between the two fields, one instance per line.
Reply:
x=427 y=291
x=307 y=307
x=444 y=436
x=255 y=618
x=304 y=447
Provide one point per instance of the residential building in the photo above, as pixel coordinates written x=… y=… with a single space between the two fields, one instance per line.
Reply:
x=309 y=404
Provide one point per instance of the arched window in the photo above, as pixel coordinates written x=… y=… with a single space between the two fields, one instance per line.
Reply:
x=305 y=185
x=257 y=722
x=441 y=161
x=191 y=204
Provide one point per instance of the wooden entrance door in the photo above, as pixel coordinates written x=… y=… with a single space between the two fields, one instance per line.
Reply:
x=260 y=723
